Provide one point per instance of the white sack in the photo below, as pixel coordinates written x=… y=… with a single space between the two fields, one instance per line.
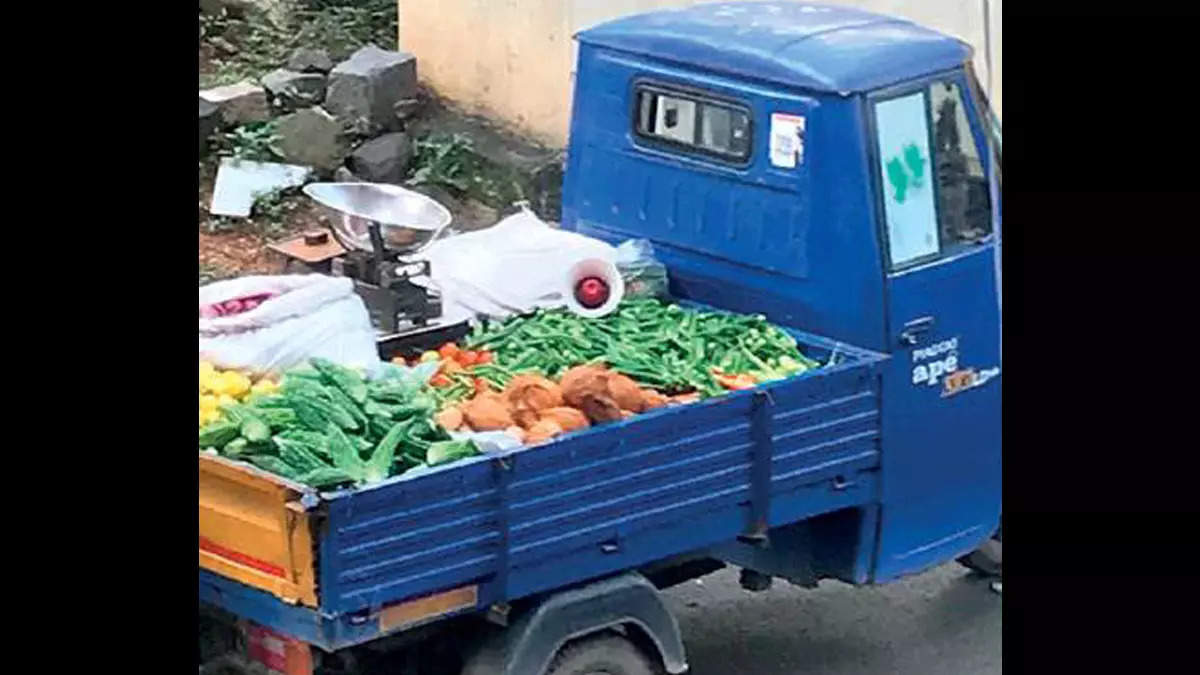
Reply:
x=313 y=316
x=515 y=266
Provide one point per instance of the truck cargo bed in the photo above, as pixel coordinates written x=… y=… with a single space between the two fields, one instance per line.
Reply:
x=592 y=502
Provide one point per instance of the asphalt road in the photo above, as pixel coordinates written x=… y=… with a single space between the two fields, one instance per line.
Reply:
x=942 y=622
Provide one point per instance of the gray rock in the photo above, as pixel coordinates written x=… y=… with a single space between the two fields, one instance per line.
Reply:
x=384 y=159
x=294 y=89
x=364 y=89
x=309 y=60
x=312 y=137
x=343 y=175
x=210 y=119
x=239 y=103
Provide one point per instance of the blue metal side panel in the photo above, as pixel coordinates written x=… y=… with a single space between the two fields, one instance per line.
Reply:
x=603 y=499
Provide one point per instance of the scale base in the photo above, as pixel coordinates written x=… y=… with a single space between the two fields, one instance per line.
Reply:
x=396 y=311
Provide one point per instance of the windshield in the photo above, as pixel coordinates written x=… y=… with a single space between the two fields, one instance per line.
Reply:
x=981 y=104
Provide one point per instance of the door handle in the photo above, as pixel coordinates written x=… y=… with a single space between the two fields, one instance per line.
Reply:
x=914 y=329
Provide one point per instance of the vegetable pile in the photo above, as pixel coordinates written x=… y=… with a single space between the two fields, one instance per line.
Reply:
x=533 y=408
x=550 y=372
x=326 y=426
x=534 y=377
x=661 y=345
x=218 y=388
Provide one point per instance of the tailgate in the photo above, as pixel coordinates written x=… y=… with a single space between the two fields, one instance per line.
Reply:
x=253 y=529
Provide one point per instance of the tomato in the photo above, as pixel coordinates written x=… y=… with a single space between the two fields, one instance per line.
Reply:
x=440 y=380
x=484 y=357
x=481 y=385
x=468 y=358
x=450 y=366
x=449 y=350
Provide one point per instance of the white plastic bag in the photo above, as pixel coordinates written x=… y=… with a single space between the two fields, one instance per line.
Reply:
x=515 y=266
x=311 y=315
x=644 y=275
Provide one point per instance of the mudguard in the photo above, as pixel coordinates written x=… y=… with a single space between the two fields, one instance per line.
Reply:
x=530 y=642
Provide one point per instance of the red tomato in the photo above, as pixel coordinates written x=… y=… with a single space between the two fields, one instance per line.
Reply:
x=481 y=385
x=439 y=380
x=484 y=357
x=468 y=358
x=448 y=350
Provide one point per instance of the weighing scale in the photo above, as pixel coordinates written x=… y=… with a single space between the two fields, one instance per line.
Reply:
x=378 y=229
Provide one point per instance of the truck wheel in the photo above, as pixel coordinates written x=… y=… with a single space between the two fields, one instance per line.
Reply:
x=228 y=665
x=602 y=655
x=986 y=559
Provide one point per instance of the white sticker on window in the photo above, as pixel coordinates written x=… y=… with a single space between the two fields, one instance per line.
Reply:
x=787 y=140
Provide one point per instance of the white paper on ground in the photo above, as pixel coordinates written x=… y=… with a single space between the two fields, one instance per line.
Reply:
x=239 y=180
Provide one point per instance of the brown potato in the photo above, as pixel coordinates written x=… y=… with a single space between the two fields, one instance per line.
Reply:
x=625 y=393
x=487 y=412
x=600 y=408
x=532 y=392
x=451 y=418
x=526 y=418
x=580 y=381
x=652 y=399
x=542 y=431
x=569 y=419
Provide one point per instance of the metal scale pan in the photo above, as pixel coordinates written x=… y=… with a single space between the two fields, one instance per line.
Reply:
x=381 y=227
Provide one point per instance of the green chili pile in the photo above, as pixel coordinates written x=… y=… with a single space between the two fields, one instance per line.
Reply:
x=665 y=346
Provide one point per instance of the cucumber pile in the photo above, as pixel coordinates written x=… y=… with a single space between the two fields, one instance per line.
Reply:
x=328 y=427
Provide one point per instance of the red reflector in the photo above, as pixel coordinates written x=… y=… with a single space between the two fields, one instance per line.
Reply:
x=591 y=292
x=241 y=558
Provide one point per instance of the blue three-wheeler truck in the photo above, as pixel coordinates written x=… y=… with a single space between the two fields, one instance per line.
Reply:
x=832 y=169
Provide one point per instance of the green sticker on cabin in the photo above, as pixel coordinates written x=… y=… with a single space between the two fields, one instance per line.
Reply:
x=905 y=171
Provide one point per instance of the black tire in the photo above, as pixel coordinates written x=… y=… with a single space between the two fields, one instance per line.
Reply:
x=986 y=560
x=227 y=665
x=603 y=655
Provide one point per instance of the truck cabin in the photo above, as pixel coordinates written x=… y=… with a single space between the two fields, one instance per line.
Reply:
x=760 y=145
x=830 y=169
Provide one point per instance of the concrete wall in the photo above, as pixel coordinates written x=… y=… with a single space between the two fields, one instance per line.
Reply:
x=515 y=59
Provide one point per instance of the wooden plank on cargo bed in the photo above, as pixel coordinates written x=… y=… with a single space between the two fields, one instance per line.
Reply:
x=253 y=530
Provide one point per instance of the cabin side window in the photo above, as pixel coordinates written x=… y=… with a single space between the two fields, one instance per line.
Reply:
x=693 y=123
